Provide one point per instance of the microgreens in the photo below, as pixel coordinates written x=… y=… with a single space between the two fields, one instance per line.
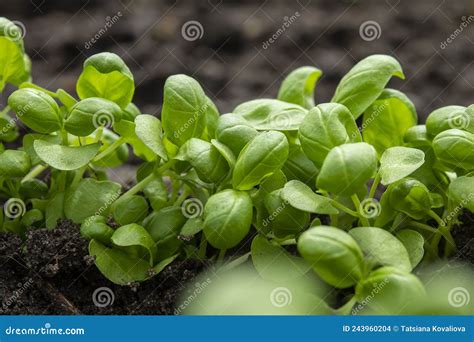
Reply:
x=275 y=168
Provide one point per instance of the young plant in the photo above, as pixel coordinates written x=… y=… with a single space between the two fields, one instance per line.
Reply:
x=272 y=172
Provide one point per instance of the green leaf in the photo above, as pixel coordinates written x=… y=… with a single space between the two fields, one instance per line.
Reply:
x=398 y=162
x=274 y=263
x=90 y=197
x=156 y=193
x=396 y=290
x=326 y=126
x=284 y=219
x=212 y=117
x=461 y=192
x=364 y=83
x=274 y=182
x=130 y=112
x=455 y=148
x=149 y=131
x=347 y=168
x=270 y=114
x=135 y=235
x=298 y=86
x=130 y=210
x=8 y=129
x=382 y=248
x=227 y=218
x=107 y=76
x=410 y=197
x=14 y=163
x=117 y=266
x=225 y=151
x=127 y=130
x=206 y=159
x=184 y=109
x=54 y=210
x=417 y=136
x=193 y=226
x=96 y=228
x=16 y=65
x=299 y=167
x=300 y=196
x=36 y=109
x=334 y=255
x=386 y=121
x=65 y=157
x=235 y=132
x=445 y=118
x=261 y=157
x=28 y=144
x=89 y=114
x=164 y=227
x=414 y=244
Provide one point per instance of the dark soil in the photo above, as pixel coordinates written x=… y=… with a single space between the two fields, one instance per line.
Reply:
x=53 y=274
x=464 y=237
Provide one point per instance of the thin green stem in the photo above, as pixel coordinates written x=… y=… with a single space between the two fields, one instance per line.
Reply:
x=221 y=257
x=139 y=186
x=112 y=147
x=374 y=186
x=65 y=137
x=184 y=194
x=34 y=172
x=436 y=217
x=362 y=218
x=342 y=207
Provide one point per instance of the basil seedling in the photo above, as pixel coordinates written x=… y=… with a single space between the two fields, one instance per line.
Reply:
x=270 y=172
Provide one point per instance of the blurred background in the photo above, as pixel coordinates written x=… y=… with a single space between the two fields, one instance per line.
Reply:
x=240 y=50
